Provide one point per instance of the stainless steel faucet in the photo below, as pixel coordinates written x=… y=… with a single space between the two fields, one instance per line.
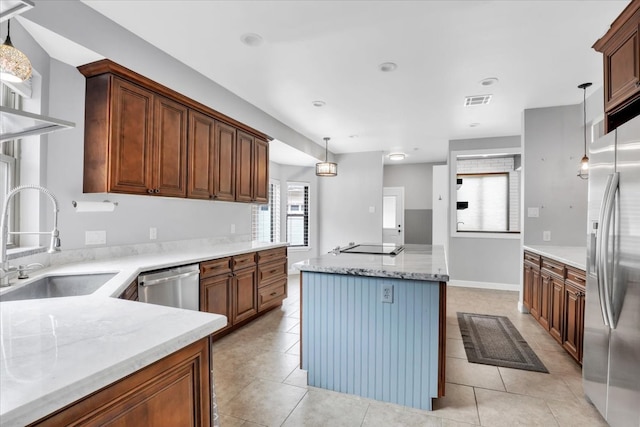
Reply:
x=5 y=269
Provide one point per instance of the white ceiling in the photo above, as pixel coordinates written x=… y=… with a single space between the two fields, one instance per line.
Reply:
x=330 y=50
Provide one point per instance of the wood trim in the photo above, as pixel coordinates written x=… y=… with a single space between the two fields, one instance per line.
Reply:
x=442 y=339
x=107 y=66
x=617 y=25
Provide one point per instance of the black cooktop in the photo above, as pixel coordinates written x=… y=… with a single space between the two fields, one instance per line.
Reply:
x=384 y=249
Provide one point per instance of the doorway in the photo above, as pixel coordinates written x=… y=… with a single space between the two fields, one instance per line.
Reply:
x=393 y=215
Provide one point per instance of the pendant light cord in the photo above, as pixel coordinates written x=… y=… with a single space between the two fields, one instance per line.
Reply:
x=584 y=117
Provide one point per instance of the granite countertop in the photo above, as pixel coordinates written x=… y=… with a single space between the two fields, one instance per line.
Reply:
x=58 y=350
x=575 y=256
x=415 y=262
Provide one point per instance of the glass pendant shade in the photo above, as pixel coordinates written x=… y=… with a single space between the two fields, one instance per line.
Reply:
x=14 y=65
x=326 y=168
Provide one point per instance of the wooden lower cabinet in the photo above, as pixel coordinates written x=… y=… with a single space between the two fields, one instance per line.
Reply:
x=244 y=286
x=131 y=293
x=556 y=309
x=245 y=299
x=554 y=294
x=175 y=391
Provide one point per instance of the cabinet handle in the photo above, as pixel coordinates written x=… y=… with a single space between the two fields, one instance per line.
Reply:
x=638 y=83
x=273 y=294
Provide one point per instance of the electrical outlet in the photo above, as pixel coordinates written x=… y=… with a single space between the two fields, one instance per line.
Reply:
x=387 y=293
x=233 y=228
x=153 y=233
x=533 y=212
x=95 y=237
x=546 y=236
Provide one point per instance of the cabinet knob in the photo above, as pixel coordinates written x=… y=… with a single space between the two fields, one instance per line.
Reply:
x=156 y=191
x=150 y=190
x=638 y=83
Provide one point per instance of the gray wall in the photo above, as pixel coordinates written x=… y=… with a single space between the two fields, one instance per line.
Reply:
x=553 y=146
x=484 y=260
x=345 y=201
x=417 y=180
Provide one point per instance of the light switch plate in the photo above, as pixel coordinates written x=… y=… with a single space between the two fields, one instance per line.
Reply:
x=533 y=212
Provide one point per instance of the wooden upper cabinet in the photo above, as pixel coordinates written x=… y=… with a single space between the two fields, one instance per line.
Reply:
x=225 y=164
x=144 y=138
x=261 y=171
x=620 y=47
x=244 y=167
x=201 y=156
x=145 y=151
x=129 y=153
x=169 y=148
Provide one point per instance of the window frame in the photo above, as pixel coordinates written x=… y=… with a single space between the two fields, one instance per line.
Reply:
x=274 y=215
x=453 y=173
x=303 y=214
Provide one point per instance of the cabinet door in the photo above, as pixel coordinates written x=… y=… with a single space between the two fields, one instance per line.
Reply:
x=556 y=317
x=170 y=148
x=245 y=300
x=527 y=282
x=244 y=167
x=224 y=182
x=202 y=132
x=545 y=297
x=535 y=294
x=622 y=67
x=215 y=296
x=261 y=171
x=573 y=312
x=130 y=169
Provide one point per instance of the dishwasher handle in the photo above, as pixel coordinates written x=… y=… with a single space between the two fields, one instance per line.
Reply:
x=168 y=278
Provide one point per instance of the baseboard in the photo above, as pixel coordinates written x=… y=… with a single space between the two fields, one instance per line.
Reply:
x=522 y=308
x=484 y=285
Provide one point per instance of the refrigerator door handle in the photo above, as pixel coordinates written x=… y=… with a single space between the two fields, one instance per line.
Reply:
x=604 y=243
x=598 y=246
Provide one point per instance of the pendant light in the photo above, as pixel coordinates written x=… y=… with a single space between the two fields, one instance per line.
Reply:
x=584 y=162
x=326 y=168
x=14 y=65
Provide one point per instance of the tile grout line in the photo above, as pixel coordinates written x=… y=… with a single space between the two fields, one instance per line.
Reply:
x=306 y=393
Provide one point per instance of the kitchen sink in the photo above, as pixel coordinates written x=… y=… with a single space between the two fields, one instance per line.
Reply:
x=58 y=286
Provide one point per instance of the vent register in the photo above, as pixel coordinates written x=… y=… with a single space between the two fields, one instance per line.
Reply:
x=471 y=101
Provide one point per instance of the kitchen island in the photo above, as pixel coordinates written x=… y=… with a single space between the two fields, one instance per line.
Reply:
x=374 y=325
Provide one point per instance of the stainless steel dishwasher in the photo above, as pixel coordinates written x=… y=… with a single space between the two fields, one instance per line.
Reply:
x=173 y=287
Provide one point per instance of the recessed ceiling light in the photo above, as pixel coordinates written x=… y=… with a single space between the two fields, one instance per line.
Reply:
x=397 y=156
x=473 y=125
x=318 y=103
x=251 y=39
x=489 y=81
x=387 y=67
x=353 y=136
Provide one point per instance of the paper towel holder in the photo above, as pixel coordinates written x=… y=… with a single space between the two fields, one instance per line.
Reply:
x=109 y=206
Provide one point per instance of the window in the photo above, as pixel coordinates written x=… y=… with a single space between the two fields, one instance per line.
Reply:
x=8 y=164
x=298 y=214
x=487 y=193
x=265 y=224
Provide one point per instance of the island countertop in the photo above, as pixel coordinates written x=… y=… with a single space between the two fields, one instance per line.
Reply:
x=415 y=262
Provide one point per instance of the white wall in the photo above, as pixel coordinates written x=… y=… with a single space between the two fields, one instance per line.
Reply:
x=416 y=179
x=477 y=261
x=345 y=201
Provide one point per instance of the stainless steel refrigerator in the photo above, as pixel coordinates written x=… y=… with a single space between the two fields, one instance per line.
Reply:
x=611 y=347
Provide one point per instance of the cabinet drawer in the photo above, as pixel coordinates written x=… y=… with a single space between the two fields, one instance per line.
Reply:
x=243 y=261
x=532 y=258
x=214 y=267
x=269 y=272
x=271 y=255
x=553 y=267
x=576 y=277
x=272 y=294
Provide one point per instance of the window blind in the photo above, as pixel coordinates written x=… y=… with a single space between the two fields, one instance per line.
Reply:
x=298 y=214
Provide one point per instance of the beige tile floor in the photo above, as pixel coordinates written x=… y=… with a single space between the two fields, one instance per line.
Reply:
x=258 y=382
